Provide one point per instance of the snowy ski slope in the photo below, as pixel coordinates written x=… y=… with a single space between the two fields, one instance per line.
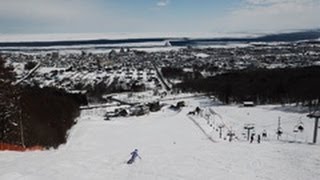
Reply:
x=173 y=147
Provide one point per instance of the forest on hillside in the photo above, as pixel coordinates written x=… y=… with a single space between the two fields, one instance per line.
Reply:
x=34 y=116
x=263 y=86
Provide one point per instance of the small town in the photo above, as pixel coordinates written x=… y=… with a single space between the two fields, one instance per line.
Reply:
x=76 y=70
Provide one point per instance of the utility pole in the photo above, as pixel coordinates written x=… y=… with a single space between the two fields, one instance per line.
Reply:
x=21 y=133
x=315 y=115
x=20 y=122
x=18 y=110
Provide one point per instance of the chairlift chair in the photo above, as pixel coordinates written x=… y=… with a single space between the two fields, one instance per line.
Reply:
x=280 y=131
x=300 y=126
x=295 y=129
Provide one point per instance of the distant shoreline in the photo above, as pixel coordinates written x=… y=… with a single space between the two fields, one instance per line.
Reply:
x=166 y=41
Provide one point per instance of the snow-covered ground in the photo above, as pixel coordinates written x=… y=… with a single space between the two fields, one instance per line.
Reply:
x=172 y=146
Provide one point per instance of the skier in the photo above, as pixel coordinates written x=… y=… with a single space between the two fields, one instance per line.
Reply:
x=258 y=138
x=134 y=155
x=264 y=133
x=197 y=110
x=251 y=138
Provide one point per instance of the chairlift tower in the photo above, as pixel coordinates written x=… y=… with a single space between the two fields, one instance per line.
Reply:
x=279 y=129
x=220 y=130
x=248 y=127
x=315 y=115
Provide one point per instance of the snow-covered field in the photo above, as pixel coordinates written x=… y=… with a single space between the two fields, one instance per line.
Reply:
x=172 y=146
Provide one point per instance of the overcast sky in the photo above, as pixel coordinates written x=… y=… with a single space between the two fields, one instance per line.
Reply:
x=139 y=16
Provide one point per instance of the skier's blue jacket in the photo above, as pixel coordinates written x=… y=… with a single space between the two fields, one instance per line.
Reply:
x=135 y=154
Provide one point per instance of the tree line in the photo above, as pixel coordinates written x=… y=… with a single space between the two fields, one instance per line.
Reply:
x=34 y=116
x=263 y=86
x=179 y=73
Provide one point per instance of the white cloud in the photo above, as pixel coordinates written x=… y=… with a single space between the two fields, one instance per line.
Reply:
x=162 y=3
x=273 y=15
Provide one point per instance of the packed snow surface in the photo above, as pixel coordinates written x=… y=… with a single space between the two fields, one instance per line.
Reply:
x=174 y=145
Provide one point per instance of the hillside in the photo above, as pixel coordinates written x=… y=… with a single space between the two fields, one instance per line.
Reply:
x=172 y=146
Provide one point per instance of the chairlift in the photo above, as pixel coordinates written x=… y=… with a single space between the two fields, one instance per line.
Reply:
x=279 y=131
x=300 y=126
x=295 y=129
x=230 y=133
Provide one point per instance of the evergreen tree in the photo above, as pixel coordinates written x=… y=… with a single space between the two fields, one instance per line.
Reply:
x=9 y=107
